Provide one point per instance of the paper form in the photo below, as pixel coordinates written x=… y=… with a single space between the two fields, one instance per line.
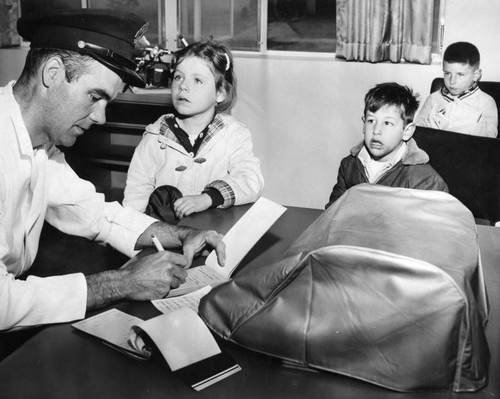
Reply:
x=191 y=301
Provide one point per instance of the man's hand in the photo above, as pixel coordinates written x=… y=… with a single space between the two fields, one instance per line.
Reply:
x=152 y=276
x=192 y=241
x=197 y=241
x=189 y=204
x=140 y=279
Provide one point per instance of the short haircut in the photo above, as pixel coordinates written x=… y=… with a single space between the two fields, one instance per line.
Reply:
x=75 y=64
x=220 y=61
x=463 y=53
x=391 y=93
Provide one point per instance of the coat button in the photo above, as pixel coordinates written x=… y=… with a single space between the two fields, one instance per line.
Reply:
x=180 y=168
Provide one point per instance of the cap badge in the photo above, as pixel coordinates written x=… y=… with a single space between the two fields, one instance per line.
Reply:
x=141 y=32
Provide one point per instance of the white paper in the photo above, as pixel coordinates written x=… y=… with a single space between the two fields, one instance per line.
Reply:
x=112 y=326
x=180 y=335
x=191 y=301
x=197 y=278
x=245 y=233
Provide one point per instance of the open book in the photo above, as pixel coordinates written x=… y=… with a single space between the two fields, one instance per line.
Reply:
x=239 y=240
x=180 y=335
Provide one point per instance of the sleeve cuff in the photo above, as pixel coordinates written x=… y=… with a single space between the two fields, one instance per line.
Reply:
x=215 y=196
x=126 y=227
x=225 y=191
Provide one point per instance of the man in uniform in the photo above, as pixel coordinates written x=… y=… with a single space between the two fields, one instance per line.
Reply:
x=78 y=62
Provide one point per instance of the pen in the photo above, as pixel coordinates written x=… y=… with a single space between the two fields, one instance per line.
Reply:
x=156 y=242
x=184 y=41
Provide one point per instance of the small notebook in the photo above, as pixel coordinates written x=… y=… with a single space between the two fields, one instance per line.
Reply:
x=180 y=335
x=239 y=241
x=113 y=328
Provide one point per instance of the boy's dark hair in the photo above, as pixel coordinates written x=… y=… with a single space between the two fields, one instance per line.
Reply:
x=220 y=61
x=392 y=93
x=462 y=52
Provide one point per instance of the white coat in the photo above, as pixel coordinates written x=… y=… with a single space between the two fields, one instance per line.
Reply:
x=225 y=161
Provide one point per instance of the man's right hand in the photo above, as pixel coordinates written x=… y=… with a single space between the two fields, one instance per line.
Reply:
x=152 y=276
x=140 y=279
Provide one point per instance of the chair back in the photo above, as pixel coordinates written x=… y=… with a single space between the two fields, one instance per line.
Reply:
x=470 y=165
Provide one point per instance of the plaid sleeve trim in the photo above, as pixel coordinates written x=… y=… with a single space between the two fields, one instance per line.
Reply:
x=225 y=190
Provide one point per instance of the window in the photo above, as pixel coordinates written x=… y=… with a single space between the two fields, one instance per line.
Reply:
x=301 y=25
x=291 y=25
x=247 y=25
x=148 y=9
x=234 y=21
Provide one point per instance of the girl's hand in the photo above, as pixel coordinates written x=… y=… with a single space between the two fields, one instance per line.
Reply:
x=190 y=204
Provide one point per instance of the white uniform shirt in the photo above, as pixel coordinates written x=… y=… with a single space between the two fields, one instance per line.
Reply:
x=38 y=184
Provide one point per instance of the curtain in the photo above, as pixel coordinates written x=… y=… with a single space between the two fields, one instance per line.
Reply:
x=9 y=13
x=385 y=30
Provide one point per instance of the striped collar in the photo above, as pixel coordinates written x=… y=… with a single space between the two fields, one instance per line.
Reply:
x=446 y=94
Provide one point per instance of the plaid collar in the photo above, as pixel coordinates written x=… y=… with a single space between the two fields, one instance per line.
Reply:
x=170 y=131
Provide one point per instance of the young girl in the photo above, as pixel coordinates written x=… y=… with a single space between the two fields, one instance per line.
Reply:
x=199 y=157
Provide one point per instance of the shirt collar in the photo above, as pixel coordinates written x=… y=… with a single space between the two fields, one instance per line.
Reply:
x=471 y=90
x=13 y=109
x=365 y=157
x=375 y=169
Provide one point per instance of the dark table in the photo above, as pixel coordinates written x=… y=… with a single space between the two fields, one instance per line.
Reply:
x=60 y=362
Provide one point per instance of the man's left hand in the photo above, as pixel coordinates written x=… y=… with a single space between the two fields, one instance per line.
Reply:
x=193 y=241
x=200 y=241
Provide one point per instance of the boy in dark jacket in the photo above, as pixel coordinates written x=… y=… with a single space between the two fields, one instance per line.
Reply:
x=388 y=155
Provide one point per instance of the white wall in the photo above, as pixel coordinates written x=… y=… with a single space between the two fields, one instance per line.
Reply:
x=305 y=114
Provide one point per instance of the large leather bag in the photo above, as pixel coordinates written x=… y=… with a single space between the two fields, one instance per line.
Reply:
x=386 y=286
